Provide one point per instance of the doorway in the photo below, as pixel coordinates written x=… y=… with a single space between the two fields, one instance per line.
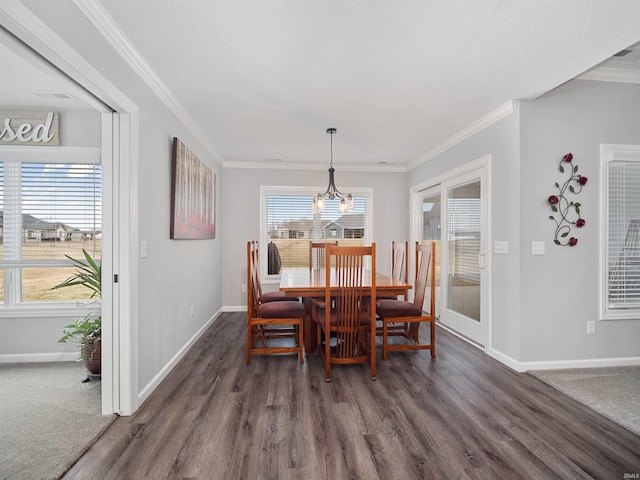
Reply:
x=452 y=212
x=119 y=151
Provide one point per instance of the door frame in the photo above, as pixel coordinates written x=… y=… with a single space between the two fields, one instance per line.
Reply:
x=119 y=378
x=416 y=195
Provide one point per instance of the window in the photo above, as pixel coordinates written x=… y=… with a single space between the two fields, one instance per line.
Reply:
x=288 y=221
x=621 y=212
x=50 y=207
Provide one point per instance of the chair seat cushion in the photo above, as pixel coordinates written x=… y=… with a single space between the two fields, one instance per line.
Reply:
x=397 y=308
x=281 y=310
x=387 y=297
x=365 y=317
x=276 y=297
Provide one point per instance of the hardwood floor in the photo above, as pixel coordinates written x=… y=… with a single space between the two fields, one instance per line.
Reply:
x=463 y=415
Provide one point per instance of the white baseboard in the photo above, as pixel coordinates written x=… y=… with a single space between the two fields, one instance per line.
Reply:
x=240 y=308
x=40 y=357
x=550 y=364
x=153 y=384
x=587 y=363
x=562 y=364
x=505 y=359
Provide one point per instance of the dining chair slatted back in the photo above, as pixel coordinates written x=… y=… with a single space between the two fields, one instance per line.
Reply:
x=279 y=317
x=348 y=316
x=317 y=253
x=399 y=266
x=402 y=318
x=400 y=261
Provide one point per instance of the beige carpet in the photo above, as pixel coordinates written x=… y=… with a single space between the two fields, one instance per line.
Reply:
x=48 y=418
x=614 y=391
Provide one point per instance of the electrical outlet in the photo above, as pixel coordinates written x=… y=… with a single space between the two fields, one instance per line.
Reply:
x=243 y=288
x=193 y=310
x=591 y=327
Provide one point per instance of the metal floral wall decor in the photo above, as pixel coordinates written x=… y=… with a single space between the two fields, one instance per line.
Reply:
x=566 y=212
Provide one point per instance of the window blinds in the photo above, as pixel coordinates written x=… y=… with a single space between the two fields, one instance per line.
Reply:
x=464 y=238
x=44 y=204
x=623 y=259
x=291 y=223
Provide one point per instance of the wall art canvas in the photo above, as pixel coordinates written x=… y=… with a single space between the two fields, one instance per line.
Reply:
x=193 y=193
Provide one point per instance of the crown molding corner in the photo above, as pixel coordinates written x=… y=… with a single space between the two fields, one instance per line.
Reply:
x=105 y=25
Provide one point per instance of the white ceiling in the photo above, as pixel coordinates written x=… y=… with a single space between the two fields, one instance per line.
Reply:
x=262 y=80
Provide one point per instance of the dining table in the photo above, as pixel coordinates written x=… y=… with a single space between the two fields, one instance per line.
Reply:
x=310 y=282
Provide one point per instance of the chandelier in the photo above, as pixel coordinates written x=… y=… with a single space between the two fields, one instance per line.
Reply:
x=346 y=201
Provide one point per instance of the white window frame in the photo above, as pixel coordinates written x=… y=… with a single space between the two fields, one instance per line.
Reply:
x=11 y=307
x=608 y=154
x=310 y=191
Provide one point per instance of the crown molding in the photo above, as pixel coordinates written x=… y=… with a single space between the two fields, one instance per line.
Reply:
x=271 y=165
x=477 y=126
x=98 y=16
x=604 y=74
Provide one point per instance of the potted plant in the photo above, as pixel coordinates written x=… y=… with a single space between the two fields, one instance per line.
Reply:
x=85 y=332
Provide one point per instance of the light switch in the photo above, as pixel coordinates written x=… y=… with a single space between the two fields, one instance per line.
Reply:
x=537 y=248
x=501 y=248
x=143 y=249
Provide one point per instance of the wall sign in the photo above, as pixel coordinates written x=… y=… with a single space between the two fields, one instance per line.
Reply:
x=29 y=127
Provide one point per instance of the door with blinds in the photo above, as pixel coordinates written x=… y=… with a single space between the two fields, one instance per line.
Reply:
x=463 y=255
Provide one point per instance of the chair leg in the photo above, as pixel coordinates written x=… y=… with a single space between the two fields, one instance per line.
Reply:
x=249 y=343
x=433 y=338
x=300 y=344
x=372 y=351
x=327 y=358
x=385 y=332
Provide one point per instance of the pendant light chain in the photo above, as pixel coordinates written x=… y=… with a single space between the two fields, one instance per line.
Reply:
x=346 y=201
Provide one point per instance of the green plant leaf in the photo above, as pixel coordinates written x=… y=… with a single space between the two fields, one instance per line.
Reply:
x=577 y=209
x=575 y=168
x=554 y=208
x=88 y=274
x=571 y=189
x=552 y=217
x=557 y=185
x=561 y=168
x=564 y=234
x=557 y=242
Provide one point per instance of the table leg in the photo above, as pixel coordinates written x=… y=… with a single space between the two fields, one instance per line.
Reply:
x=309 y=328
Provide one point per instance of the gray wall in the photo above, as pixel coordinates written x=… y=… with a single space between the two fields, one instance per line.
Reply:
x=560 y=291
x=78 y=128
x=177 y=273
x=501 y=141
x=241 y=200
x=541 y=304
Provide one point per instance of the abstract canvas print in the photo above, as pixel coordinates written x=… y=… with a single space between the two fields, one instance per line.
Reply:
x=193 y=193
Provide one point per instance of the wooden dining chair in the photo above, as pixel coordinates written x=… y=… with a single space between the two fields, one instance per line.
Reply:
x=403 y=318
x=348 y=317
x=253 y=252
x=317 y=253
x=399 y=266
x=270 y=319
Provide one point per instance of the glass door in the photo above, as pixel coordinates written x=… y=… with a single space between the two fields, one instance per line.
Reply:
x=463 y=255
x=431 y=231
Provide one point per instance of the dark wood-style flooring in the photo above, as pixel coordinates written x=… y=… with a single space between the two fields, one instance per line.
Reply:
x=463 y=415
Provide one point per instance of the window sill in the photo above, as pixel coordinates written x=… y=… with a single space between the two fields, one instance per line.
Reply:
x=47 y=311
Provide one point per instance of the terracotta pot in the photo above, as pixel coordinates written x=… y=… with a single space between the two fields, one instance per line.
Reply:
x=92 y=362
